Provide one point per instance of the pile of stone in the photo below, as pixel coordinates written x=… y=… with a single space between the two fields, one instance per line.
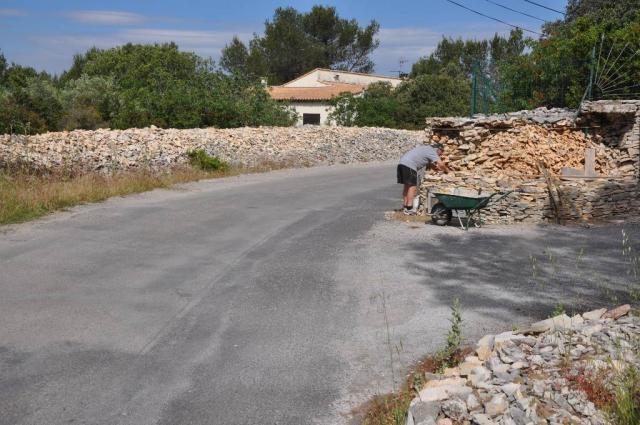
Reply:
x=515 y=152
x=560 y=117
x=581 y=200
x=497 y=153
x=156 y=148
x=531 y=376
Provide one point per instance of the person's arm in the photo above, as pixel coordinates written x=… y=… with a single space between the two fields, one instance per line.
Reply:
x=440 y=165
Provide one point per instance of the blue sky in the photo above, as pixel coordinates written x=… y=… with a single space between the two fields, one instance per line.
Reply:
x=45 y=34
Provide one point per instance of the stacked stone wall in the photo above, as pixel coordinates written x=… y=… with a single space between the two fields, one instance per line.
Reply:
x=613 y=127
x=113 y=150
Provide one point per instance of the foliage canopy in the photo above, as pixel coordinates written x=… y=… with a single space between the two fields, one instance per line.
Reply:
x=133 y=86
x=294 y=43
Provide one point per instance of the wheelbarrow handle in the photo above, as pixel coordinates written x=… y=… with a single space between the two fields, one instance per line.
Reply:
x=501 y=197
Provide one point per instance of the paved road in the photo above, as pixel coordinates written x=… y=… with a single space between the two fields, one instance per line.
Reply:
x=263 y=299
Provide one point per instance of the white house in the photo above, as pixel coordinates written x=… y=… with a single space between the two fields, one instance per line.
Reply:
x=310 y=94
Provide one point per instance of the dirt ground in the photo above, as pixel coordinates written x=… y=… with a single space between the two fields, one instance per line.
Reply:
x=504 y=276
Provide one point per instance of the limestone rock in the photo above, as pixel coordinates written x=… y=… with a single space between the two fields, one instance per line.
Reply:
x=497 y=405
x=479 y=375
x=482 y=419
x=484 y=347
x=455 y=409
x=425 y=412
x=617 y=312
x=594 y=314
x=534 y=379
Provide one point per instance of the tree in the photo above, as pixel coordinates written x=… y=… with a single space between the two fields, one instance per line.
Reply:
x=453 y=56
x=3 y=68
x=29 y=100
x=432 y=95
x=134 y=86
x=294 y=43
x=376 y=107
x=89 y=102
x=234 y=57
x=620 y=11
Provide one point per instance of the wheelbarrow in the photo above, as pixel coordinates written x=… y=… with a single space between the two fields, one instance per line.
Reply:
x=467 y=207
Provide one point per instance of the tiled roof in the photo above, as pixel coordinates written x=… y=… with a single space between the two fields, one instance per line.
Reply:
x=314 y=93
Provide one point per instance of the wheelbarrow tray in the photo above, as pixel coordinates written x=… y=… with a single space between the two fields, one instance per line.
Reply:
x=457 y=202
x=470 y=205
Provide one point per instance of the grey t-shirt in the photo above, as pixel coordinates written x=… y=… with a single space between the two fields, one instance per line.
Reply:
x=419 y=157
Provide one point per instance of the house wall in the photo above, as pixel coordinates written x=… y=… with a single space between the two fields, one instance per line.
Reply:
x=314 y=79
x=324 y=109
x=356 y=78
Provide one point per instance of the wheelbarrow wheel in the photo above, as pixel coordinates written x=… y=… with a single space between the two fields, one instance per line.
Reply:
x=440 y=215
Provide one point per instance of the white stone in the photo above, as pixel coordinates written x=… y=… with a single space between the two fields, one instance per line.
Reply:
x=478 y=375
x=497 y=405
x=484 y=347
x=452 y=381
x=473 y=403
x=444 y=392
x=424 y=412
x=519 y=365
x=594 y=314
x=510 y=389
x=482 y=419
x=501 y=339
x=451 y=372
x=468 y=365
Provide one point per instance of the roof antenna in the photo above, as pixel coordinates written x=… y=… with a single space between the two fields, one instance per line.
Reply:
x=400 y=71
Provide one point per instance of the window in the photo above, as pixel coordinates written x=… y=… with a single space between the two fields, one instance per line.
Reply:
x=312 y=119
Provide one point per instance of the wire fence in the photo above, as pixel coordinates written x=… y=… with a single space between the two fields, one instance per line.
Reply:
x=609 y=71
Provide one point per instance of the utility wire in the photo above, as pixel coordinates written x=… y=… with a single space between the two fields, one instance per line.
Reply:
x=495 y=19
x=544 y=7
x=514 y=10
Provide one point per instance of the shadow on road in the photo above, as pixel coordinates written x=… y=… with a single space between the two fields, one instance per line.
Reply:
x=531 y=271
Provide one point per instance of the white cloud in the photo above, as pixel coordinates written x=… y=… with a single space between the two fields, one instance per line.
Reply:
x=106 y=17
x=204 y=43
x=54 y=53
x=12 y=12
x=411 y=43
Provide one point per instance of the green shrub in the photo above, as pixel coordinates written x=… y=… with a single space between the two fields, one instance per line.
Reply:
x=200 y=159
x=454 y=336
x=626 y=406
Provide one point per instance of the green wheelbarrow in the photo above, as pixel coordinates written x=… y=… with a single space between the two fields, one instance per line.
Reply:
x=467 y=207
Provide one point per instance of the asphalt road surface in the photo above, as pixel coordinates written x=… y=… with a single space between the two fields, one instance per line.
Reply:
x=280 y=298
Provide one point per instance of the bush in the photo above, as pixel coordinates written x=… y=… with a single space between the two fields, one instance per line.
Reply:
x=200 y=159
x=626 y=406
x=454 y=336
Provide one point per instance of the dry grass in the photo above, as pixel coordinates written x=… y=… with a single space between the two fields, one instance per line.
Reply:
x=594 y=384
x=615 y=392
x=25 y=196
x=410 y=219
x=391 y=409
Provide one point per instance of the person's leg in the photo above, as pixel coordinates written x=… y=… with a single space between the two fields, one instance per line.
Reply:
x=411 y=194
x=405 y=191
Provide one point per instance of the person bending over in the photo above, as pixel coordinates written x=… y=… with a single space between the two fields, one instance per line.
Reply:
x=423 y=156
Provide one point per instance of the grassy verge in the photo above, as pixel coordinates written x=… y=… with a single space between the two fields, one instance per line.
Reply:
x=26 y=196
x=391 y=409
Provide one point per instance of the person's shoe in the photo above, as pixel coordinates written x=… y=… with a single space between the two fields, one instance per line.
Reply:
x=408 y=212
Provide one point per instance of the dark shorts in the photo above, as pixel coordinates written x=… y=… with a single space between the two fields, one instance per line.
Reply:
x=407 y=176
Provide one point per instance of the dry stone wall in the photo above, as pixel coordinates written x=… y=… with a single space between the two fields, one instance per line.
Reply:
x=501 y=153
x=157 y=148
x=536 y=374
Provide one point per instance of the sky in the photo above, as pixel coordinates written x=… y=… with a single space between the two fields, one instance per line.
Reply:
x=46 y=34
